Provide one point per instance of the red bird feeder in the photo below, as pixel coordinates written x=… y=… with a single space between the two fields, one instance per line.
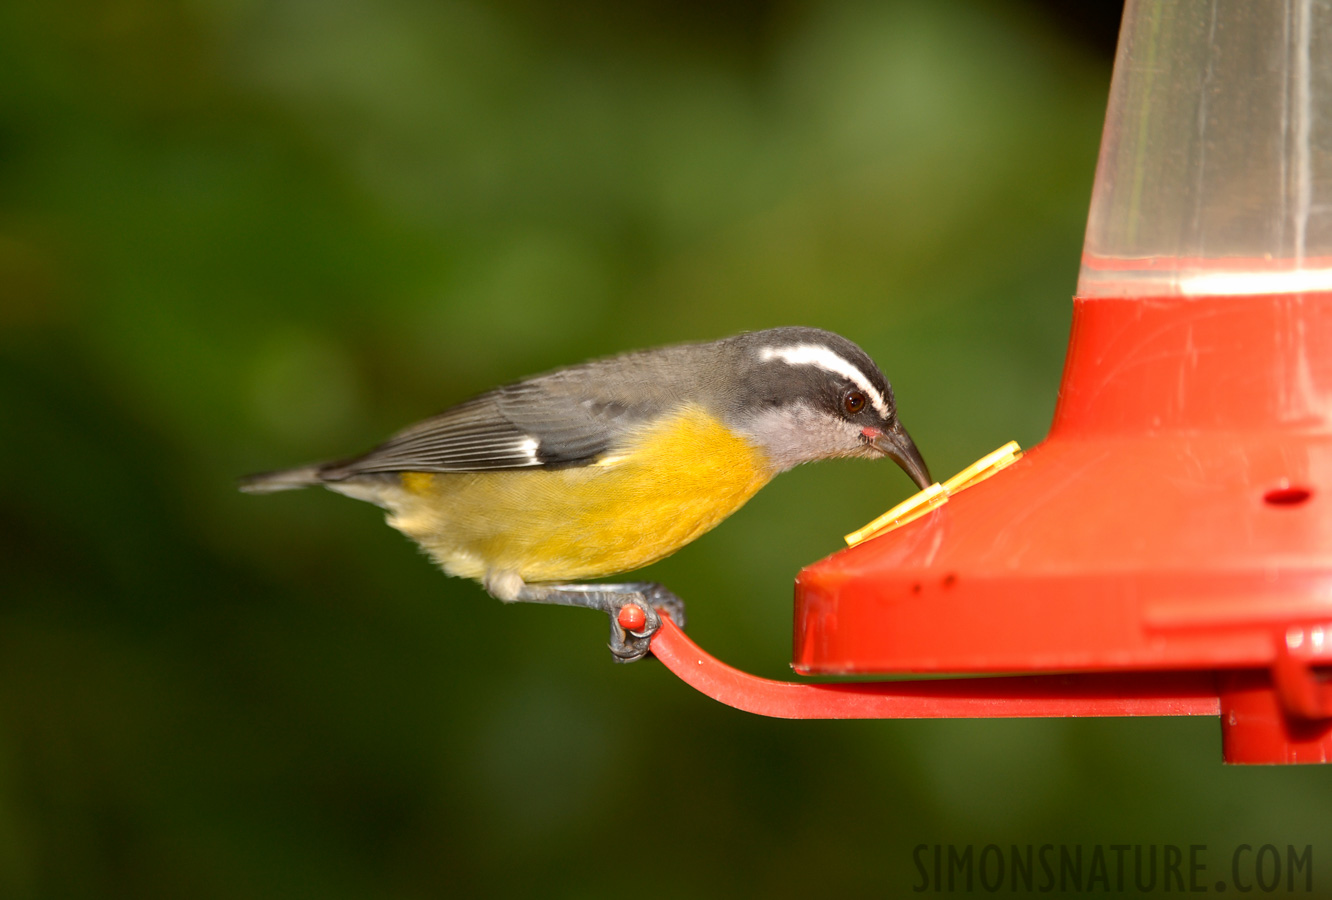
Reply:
x=1167 y=550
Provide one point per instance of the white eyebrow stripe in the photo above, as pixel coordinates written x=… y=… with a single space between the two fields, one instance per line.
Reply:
x=814 y=355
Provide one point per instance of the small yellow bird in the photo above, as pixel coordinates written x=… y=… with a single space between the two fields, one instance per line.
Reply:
x=605 y=467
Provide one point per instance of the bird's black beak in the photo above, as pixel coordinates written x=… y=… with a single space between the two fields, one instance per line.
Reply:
x=895 y=443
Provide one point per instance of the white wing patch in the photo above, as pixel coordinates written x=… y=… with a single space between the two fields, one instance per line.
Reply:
x=815 y=355
x=528 y=447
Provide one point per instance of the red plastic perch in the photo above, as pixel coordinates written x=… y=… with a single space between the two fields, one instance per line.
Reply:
x=1027 y=696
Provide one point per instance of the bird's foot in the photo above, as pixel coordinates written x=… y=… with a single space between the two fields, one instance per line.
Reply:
x=633 y=610
x=632 y=626
x=635 y=616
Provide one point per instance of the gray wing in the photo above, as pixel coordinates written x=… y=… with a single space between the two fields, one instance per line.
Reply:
x=533 y=424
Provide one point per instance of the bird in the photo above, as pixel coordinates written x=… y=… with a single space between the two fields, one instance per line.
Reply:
x=601 y=468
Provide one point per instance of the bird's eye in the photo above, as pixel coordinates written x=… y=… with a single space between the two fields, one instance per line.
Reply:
x=854 y=402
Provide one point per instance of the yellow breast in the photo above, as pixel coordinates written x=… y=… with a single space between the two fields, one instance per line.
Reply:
x=670 y=484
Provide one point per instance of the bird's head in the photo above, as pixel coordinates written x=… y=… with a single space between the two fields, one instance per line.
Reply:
x=803 y=394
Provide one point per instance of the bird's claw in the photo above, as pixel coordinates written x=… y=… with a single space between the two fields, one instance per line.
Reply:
x=630 y=645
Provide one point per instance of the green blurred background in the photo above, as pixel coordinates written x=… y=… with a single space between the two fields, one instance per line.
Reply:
x=236 y=235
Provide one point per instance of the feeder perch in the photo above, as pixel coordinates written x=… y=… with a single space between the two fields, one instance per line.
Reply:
x=1167 y=550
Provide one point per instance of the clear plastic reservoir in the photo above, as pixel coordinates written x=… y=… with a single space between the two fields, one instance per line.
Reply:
x=1215 y=173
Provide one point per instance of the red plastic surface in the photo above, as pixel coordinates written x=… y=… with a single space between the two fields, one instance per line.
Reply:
x=1257 y=728
x=1041 y=696
x=1177 y=517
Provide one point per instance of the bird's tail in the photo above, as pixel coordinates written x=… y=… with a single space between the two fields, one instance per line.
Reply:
x=282 y=480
